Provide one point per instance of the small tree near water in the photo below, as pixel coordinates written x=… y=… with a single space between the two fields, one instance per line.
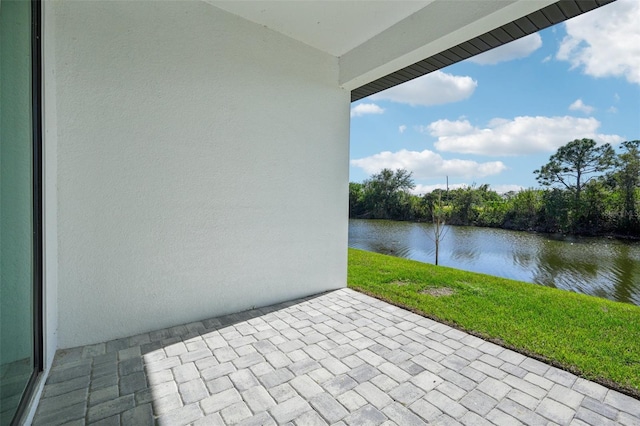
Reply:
x=439 y=230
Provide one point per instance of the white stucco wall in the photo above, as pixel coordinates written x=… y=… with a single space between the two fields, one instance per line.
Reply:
x=50 y=186
x=202 y=167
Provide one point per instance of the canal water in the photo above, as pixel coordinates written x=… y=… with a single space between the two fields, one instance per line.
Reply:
x=603 y=267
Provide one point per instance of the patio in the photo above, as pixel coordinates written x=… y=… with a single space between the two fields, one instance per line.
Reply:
x=336 y=358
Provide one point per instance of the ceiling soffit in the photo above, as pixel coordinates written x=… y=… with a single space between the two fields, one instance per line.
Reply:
x=333 y=26
x=529 y=24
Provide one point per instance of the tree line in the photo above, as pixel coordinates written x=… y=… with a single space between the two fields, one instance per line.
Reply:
x=587 y=189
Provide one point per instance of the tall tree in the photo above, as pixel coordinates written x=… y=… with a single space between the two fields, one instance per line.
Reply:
x=465 y=203
x=387 y=193
x=525 y=208
x=575 y=164
x=356 y=198
x=627 y=175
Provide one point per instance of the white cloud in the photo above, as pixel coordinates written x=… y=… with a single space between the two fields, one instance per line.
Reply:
x=449 y=128
x=520 y=48
x=435 y=88
x=605 y=42
x=520 y=136
x=578 y=105
x=363 y=109
x=402 y=128
x=427 y=164
x=612 y=109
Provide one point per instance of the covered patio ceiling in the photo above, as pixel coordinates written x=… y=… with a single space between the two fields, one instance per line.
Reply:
x=529 y=24
x=380 y=44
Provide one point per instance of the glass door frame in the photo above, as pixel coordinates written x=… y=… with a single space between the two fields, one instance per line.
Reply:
x=37 y=207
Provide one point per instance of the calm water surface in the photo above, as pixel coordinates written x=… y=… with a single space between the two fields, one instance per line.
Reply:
x=601 y=267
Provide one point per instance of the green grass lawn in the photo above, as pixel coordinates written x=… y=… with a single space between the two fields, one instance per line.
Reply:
x=595 y=338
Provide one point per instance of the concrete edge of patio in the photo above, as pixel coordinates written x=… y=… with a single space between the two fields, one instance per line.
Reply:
x=336 y=358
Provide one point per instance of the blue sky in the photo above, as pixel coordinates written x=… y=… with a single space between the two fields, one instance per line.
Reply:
x=497 y=117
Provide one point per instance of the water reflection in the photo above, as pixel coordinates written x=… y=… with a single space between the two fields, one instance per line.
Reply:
x=598 y=266
x=466 y=248
x=626 y=268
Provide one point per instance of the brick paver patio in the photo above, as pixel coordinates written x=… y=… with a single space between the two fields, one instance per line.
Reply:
x=338 y=358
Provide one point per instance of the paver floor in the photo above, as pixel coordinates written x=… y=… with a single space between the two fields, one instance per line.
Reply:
x=337 y=358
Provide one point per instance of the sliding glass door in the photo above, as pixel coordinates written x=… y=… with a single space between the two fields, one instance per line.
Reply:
x=20 y=247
